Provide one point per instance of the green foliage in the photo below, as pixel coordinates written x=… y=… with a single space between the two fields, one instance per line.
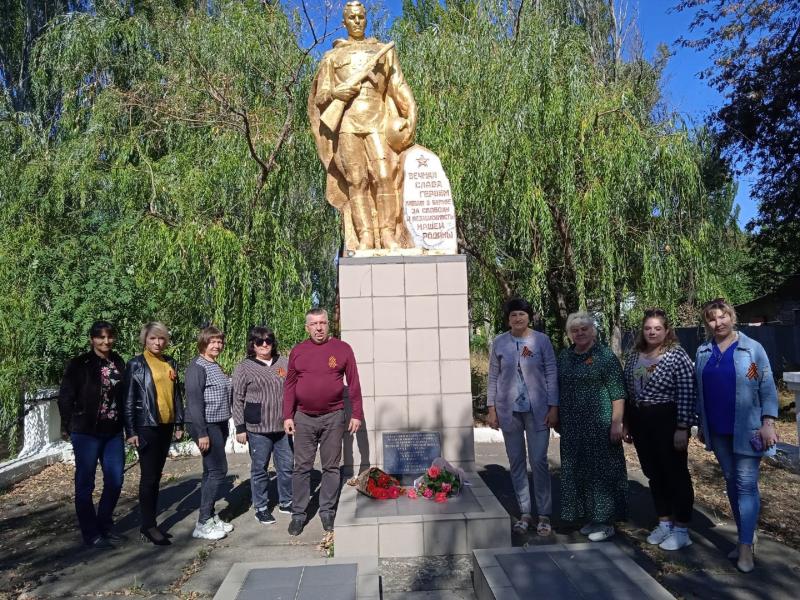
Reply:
x=164 y=172
x=568 y=190
x=161 y=167
x=755 y=47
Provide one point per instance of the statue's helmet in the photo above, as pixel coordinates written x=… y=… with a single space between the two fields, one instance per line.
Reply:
x=398 y=134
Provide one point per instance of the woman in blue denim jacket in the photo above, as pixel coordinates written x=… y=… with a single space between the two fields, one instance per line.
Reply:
x=522 y=396
x=737 y=402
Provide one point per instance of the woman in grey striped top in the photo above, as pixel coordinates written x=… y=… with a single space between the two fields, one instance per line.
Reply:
x=258 y=417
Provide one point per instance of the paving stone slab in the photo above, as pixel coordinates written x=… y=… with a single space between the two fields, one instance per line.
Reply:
x=590 y=571
x=347 y=579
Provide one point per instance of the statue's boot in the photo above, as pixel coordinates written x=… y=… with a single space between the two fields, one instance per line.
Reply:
x=366 y=241
x=387 y=218
x=388 y=240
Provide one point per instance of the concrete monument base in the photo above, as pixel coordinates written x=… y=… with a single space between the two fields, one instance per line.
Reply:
x=406 y=320
x=405 y=527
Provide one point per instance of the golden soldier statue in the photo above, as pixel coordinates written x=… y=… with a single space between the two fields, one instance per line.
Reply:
x=363 y=115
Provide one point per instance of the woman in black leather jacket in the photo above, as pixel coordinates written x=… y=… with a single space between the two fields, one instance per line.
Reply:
x=90 y=403
x=153 y=416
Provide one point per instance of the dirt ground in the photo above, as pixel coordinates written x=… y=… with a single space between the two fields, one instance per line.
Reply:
x=39 y=512
x=780 y=510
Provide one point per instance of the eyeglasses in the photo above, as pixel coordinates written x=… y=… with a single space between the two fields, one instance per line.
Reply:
x=262 y=342
x=654 y=312
x=716 y=303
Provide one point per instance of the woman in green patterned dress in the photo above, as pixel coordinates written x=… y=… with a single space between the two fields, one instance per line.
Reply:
x=593 y=477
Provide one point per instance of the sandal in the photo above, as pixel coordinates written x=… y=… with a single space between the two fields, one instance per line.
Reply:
x=523 y=524
x=544 y=528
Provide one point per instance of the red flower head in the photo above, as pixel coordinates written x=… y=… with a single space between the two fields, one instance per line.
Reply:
x=412 y=493
x=440 y=497
x=428 y=493
x=434 y=472
x=382 y=494
x=394 y=492
x=446 y=488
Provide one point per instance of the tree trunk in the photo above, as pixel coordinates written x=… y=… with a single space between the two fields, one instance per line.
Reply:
x=616 y=326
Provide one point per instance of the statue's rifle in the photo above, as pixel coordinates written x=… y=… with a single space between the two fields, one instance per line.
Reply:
x=332 y=114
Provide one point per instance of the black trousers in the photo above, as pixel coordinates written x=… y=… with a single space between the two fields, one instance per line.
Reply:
x=653 y=427
x=154 y=445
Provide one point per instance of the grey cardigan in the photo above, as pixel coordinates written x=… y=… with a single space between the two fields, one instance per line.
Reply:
x=538 y=371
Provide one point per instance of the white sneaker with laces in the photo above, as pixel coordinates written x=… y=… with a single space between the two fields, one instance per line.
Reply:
x=208 y=531
x=679 y=538
x=589 y=528
x=660 y=533
x=601 y=534
x=225 y=526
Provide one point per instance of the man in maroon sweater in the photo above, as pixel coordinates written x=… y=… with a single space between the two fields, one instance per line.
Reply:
x=313 y=411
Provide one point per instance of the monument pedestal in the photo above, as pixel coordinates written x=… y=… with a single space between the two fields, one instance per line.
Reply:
x=406 y=319
x=404 y=527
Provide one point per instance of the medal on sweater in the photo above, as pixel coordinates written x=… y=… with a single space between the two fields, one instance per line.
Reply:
x=332 y=361
x=282 y=372
x=526 y=352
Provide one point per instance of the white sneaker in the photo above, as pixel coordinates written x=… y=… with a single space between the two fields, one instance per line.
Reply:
x=679 y=538
x=224 y=525
x=208 y=531
x=659 y=534
x=589 y=528
x=601 y=534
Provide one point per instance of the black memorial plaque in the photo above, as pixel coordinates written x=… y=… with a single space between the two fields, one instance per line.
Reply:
x=410 y=452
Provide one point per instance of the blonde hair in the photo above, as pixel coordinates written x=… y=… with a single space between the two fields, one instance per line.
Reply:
x=717 y=304
x=153 y=327
x=580 y=318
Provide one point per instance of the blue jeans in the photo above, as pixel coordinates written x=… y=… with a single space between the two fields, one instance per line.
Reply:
x=262 y=446
x=109 y=450
x=522 y=427
x=741 y=481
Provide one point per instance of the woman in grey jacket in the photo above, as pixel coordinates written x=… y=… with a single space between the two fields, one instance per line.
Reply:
x=523 y=401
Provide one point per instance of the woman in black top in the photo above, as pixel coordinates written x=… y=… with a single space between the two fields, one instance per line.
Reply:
x=90 y=403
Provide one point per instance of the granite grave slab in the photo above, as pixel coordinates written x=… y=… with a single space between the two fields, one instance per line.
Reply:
x=332 y=579
x=579 y=571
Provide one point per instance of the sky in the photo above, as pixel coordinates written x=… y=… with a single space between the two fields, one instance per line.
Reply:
x=683 y=91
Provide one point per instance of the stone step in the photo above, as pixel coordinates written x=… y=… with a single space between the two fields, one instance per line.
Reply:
x=598 y=571
x=355 y=578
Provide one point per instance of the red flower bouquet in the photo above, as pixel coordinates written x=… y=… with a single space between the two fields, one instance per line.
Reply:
x=376 y=484
x=439 y=482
